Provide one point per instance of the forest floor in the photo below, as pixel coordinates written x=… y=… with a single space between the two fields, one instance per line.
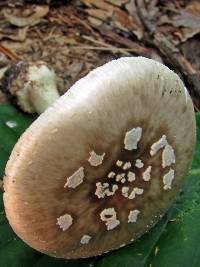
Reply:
x=74 y=37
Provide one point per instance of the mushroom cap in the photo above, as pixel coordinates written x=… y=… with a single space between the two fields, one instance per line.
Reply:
x=104 y=163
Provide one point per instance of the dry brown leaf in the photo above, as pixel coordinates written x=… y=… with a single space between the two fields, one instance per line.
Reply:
x=118 y=3
x=99 y=13
x=189 y=24
x=188 y=20
x=16 y=34
x=132 y=10
x=101 y=4
x=110 y=28
x=193 y=7
x=110 y=13
x=31 y=19
x=94 y=21
x=88 y=3
x=191 y=51
x=126 y=23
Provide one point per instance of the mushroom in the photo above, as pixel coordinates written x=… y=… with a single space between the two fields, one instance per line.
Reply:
x=63 y=191
x=32 y=85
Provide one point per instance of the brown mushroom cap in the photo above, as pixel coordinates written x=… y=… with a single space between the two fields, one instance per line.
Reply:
x=104 y=163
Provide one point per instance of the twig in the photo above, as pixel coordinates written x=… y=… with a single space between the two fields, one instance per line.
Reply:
x=109 y=46
x=124 y=51
x=10 y=54
x=88 y=38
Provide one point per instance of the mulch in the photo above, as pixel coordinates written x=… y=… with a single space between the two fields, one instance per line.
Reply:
x=74 y=37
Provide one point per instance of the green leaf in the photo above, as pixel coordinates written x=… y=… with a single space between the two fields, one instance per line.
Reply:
x=179 y=244
x=173 y=242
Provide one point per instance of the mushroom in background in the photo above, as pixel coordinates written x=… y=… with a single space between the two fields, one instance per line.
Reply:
x=103 y=164
x=32 y=85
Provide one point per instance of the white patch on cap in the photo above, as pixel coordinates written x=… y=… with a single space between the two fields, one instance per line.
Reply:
x=102 y=190
x=95 y=159
x=127 y=165
x=123 y=180
x=75 y=179
x=133 y=215
x=65 y=221
x=119 y=177
x=131 y=176
x=167 y=179
x=168 y=156
x=114 y=187
x=132 y=138
x=111 y=193
x=85 y=239
x=119 y=163
x=125 y=190
x=135 y=191
x=138 y=163
x=162 y=142
x=146 y=176
x=109 y=216
x=111 y=175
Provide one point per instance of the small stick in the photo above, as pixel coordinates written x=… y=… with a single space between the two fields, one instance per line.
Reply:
x=11 y=55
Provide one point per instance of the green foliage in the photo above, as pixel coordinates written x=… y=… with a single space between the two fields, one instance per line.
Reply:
x=173 y=242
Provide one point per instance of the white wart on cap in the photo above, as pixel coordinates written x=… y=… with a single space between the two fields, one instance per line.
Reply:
x=108 y=159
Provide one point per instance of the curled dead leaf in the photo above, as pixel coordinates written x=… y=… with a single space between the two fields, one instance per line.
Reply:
x=15 y=34
x=99 y=14
x=118 y=3
x=22 y=21
x=188 y=20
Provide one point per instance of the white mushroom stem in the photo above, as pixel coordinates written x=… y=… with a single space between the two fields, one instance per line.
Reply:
x=32 y=84
x=41 y=90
